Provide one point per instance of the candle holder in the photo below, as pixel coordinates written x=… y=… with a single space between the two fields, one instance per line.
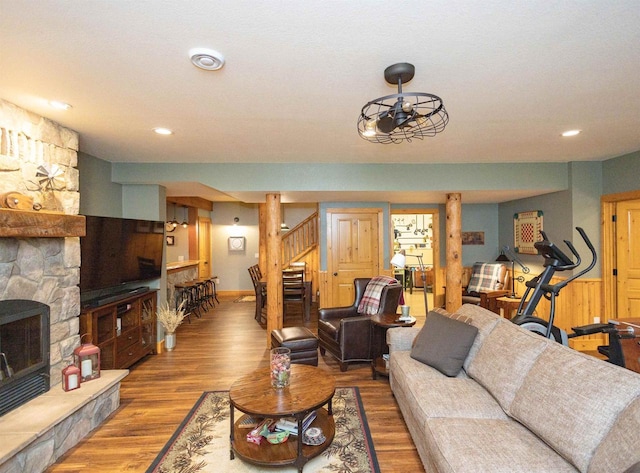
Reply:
x=70 y=378
x=87 y=358
x=280 y=367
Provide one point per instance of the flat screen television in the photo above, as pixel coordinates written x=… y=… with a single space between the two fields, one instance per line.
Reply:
x=117 y=253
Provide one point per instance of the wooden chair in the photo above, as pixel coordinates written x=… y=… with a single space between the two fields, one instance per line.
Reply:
x=260 y=290
x=488 y=281
x=293 y=289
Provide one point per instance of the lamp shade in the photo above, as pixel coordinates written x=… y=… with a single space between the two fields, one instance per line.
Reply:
x=398 y=260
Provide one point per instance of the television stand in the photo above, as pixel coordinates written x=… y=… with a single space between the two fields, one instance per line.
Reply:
x=124 y=330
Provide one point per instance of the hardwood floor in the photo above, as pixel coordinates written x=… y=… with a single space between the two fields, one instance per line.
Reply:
x=211 y=353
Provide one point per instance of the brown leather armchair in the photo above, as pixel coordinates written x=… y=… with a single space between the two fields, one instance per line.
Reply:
x=345 y=333
x=488 y=281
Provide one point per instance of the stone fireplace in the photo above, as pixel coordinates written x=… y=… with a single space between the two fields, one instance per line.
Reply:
x=40 y=261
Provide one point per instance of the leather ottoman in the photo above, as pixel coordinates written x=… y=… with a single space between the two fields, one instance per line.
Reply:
x=300 y=340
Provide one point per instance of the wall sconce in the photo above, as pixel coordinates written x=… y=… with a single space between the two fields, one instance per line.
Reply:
x=70 y=378
x=87 y=357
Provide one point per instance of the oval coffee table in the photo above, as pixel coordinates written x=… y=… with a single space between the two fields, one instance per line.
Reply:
x=310 y=389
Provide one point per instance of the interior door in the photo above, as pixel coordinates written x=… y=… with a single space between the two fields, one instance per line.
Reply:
x=628 y=258
x=353 y=250
x=204 y=247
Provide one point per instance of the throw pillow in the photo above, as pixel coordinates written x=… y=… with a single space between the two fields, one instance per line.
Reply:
x=443 y=343
x=485 y=277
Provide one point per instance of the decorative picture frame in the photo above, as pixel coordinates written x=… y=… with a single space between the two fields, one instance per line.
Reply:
x=473 y=238
x=526 y=231
x=236 y=243
x=171 y=240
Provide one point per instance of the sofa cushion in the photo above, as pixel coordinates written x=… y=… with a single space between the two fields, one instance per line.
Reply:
x=443 y=343
x=448 y=397
x=503 y=360
x=619 y=449
x=489 y=445
x=572 y=400
x=484 y=320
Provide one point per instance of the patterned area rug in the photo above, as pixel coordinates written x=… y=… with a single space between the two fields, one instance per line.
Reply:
x=201 y=443
x=246 y=299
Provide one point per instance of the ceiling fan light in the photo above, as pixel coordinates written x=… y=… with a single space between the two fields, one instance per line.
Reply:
x=370 y=127
x=402 y=116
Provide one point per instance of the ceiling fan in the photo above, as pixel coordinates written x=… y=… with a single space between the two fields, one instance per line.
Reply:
x=402 y=116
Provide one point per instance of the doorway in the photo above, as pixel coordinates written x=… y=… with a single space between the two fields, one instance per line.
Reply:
x=353 y=250
x=415 y=231
x=621 y=254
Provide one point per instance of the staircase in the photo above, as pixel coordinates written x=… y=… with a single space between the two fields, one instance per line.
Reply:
x=301 y=241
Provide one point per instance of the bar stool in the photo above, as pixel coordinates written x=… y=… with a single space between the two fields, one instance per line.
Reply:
x=183 y=295
x=188 y=291
x=207 y=295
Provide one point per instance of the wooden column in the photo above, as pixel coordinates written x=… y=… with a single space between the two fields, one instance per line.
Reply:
x=454 y=252
x=262 y=237
x=273 y=265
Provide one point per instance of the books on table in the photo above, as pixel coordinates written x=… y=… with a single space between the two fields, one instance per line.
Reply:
x=290 y=424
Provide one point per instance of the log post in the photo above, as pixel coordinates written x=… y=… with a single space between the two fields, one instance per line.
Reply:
x=454 y=252
x=262 y=237
x=273 y=265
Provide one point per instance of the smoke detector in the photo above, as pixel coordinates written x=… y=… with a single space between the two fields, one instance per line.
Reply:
x=206 y=59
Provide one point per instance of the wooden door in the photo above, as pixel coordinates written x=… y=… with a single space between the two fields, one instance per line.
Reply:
x=353 y=250
x=204 y=247
x=628 y=258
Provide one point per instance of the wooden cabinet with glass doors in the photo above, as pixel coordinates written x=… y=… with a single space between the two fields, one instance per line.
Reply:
x=125 y=331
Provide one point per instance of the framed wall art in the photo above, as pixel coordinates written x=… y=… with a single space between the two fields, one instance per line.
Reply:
x=171 y=240
x=236 y=243
x=473 y=238
x=526 y=231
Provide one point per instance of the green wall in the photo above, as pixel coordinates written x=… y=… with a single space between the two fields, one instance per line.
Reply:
x=621 y=174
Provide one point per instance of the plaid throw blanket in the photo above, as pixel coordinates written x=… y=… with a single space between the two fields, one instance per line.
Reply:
x=485 y=277
x=370 y=302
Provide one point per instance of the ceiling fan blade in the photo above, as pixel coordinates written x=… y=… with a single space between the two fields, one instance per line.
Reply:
x=386 y=124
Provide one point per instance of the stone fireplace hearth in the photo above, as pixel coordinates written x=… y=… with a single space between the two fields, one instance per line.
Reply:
x=40 y=261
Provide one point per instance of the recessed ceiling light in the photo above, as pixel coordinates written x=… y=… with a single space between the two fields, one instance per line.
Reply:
x=206 y=59
x=571 y=133
x=59 y=105
x=163 y=131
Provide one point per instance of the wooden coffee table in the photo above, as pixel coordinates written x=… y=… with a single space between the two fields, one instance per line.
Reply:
x=310 y=389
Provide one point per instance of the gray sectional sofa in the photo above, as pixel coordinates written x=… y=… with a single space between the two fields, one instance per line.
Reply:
x=520 y=403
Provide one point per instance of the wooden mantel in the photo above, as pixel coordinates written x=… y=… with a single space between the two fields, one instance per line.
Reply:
x=32 y=224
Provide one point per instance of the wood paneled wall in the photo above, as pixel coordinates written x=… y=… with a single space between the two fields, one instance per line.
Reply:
x=577 y=304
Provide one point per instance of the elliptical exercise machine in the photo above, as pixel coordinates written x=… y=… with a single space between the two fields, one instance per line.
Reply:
x=555 y=260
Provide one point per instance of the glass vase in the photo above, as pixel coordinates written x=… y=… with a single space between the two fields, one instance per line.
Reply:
x=280 y=367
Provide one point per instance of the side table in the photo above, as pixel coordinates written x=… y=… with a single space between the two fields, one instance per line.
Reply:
x=380 y=323
x=509 y=305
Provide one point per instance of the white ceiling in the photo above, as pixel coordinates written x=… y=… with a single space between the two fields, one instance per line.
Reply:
x=513 y=75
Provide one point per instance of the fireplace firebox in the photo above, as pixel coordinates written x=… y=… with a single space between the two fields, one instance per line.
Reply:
x=24 y=352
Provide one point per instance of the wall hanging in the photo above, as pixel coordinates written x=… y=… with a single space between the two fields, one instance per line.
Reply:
x=526 y=231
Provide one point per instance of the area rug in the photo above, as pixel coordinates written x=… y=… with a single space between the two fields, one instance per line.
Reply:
x=201 y=443
x=246 y=299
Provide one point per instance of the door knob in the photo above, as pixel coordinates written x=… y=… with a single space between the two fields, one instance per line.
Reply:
x=335 y=274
